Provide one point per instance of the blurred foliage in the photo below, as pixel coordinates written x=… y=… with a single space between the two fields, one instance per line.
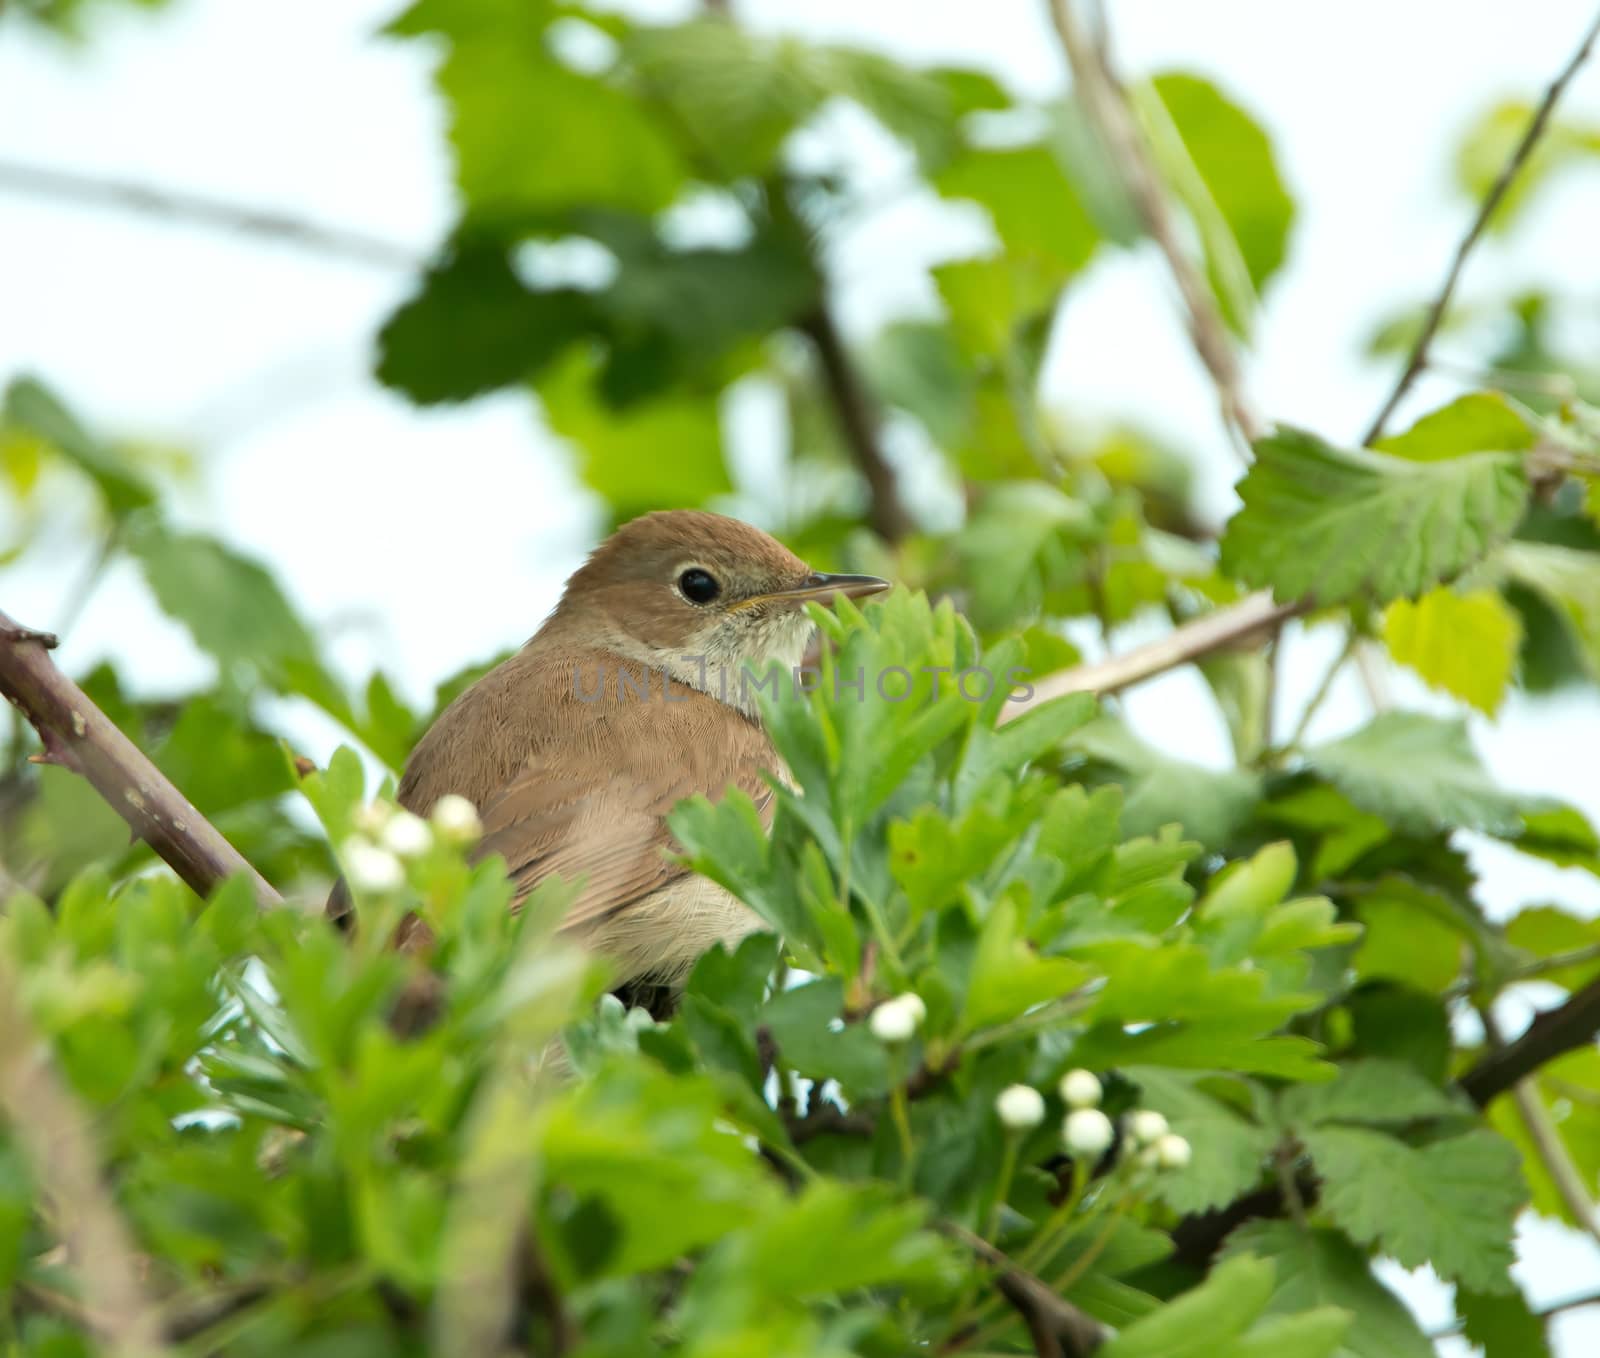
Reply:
x=1271 y=955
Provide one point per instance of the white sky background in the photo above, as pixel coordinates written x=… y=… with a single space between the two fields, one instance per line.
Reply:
x=433 y=538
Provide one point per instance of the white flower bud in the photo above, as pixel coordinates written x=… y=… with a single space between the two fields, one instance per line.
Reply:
x=1087 y=1131
x=1172 y=1152
x=370 y=868
x=456 y=819
x=1080 y=1089
x=1021 y=1108
x=407 y=835
x=1146 y=1126
x=894 y=1021
x=371 y=818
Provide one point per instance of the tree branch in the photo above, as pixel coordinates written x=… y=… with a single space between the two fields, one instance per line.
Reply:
x=53 y=1132
x=79 y=737
x=1057 y=1327
x=1568 y=1026
x=1200 y=637
x=1103 y=101
x=859 y=423
x=41 y=181
x=1486 y=210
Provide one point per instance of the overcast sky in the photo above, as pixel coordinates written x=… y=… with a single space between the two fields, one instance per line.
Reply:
x=432 y=538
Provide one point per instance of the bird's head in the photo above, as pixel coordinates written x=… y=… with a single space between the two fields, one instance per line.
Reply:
x=700 y=596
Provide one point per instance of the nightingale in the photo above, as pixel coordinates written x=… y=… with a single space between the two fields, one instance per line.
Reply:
x=630 y=697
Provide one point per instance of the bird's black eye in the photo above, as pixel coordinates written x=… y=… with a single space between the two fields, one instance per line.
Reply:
x=698 y=586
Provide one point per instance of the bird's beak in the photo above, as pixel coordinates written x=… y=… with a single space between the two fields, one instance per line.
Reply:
x=821 y=588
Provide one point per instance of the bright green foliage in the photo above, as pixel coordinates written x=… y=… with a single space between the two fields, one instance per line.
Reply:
x=1336 y=524
x=1465 y=644
x=318 y=1144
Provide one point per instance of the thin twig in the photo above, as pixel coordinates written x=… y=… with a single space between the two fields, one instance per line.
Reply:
x=1568 y=1026
x=1056 y=1326
x=1200 y=637
x=1565 y=1175
x=1486 y=210
x=42 y=181
x=54 y=1134
x=1103 y=102
x=858 y=421
x=79 y=737
x=1325 y=687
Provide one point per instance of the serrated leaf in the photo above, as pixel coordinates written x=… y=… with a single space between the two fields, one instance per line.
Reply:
x=1373 y=1092
x=1319 y=1267
x=1331 y=524
x=1450 y=1203
x=1421 y=774
x=1207 y=1320
x=1481 y=421
x=1569 y=581
x=1465 y=644
x=1008 y=976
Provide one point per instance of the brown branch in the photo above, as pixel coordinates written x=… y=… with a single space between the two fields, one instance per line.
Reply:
x=1568 y=1026
x=54 y=1134
x=1057 y=1327
x=1103 y=101
x=1195 y=639
x=41 y=181
x=79 y=737
x=859 y=423
x=1486 y=210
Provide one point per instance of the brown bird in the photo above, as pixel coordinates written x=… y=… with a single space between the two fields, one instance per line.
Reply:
x=630 y=697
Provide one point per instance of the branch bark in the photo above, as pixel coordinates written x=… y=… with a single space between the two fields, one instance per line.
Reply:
x=1102 y=100
x=1551 y=1034
x=1057 y=1327
x=1486 y=210
x=54 y=1133
x=79 y=737
x=1250 y=617
x=859 y=423
x=146 y=200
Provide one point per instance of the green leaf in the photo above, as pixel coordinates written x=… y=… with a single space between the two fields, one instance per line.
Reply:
x=1210 y=804
x=597 y=145
x=1421 y=774
x=1008 y=976
x=1465 y=644
x=1547 y=931
x=1569 y=581
x=1480 y=422
x=32 y=406
x=1331 y=524
x=619 y=451
x=1036 y=212
x=1487 y=145
x=1378 y=1093
x=1502 y=1326
x=473 y=325
x=1450 y=1203
x=1318 y=1267
x=1220 y=163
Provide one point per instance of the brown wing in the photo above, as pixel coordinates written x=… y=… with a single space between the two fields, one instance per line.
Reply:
x=595 y=810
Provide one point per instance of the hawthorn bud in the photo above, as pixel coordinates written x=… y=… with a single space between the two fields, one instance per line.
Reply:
x=1087 y=1131
x=406 y=835
x=372 y=817
x=1080 y=1089
x=371 y=868
x=894 y=1021
x=1146 y=1126
x=1020 y=1107
x=1172 y=1152
x=456 y=819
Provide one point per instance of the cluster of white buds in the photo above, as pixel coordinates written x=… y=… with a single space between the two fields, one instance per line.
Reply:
x=1159 y=1146
x=386 y=837
x=896 y=1021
